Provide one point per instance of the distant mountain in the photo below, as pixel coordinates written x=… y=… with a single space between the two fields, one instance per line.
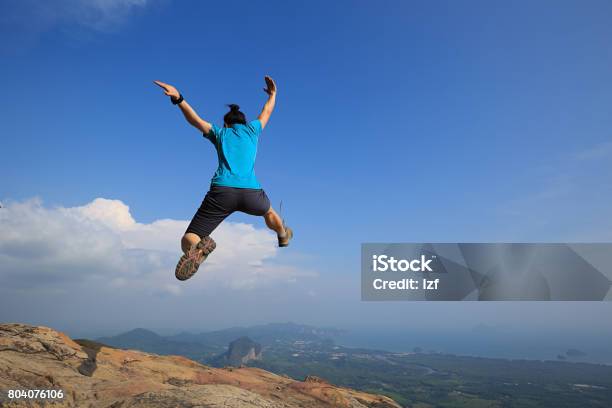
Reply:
x=239 y=353
x=575 y=353
x=138 y=336
x=211 y=347
x=264 y=334
x=146 y=340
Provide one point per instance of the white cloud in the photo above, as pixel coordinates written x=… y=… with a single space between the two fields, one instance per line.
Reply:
x=600 y=151
x=100 y=245
x=569 y=200
x=99 y=15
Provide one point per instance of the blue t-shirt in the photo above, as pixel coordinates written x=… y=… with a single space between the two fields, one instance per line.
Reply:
x=236 y=149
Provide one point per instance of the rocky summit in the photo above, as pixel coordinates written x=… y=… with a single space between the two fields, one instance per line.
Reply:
x=93 y=375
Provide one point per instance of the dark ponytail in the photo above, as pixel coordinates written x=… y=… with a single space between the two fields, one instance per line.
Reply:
x=234 y=116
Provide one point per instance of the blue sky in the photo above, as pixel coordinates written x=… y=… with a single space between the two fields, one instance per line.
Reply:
x=395 y=121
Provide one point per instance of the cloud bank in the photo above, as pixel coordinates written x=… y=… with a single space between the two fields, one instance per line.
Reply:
x=100 y=246
x=100 y=14
x=32 y=16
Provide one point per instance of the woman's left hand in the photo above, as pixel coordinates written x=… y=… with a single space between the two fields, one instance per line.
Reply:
x=168 y=89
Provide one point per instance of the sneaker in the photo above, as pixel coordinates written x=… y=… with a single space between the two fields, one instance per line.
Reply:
x=284 y=240
x=190 y=262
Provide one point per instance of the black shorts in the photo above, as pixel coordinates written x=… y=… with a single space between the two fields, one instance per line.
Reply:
x=221 y=202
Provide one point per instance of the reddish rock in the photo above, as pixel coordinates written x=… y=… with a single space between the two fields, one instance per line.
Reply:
x=93 y=375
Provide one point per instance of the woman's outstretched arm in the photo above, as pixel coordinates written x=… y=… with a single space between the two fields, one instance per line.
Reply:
x=264 y=116
x=190 y=115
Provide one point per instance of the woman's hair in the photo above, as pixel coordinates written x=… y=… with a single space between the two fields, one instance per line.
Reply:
x=234 y=116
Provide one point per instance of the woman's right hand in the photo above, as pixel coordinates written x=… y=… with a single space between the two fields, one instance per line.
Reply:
x=271 y=86
x=168 y=89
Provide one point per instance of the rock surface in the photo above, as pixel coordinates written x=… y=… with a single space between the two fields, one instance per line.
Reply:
x=94 y=375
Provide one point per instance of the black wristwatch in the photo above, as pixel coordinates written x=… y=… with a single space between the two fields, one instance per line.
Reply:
x=176 y=101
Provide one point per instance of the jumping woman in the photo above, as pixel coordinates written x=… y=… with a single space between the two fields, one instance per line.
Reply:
x=234 y=186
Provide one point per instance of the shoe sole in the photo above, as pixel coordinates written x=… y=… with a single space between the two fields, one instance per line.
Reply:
x=285 y=241
x=189 y=263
